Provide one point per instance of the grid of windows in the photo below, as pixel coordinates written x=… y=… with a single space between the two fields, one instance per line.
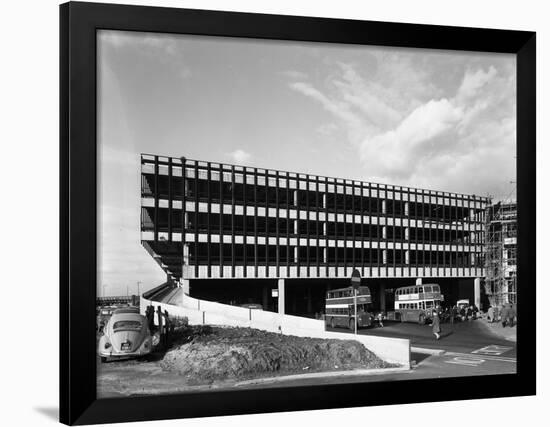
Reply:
x=231 y=216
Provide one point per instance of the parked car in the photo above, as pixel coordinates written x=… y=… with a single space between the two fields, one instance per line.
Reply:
x=129 y=309
x=462 y=303
x=125 y=335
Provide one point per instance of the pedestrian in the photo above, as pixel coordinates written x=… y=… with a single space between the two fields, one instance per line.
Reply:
x=453 y=314
x=462 y=314
x=150 y=314
x=446 y=315
x=504 y=315
x=159 y=324
x=469 y=313
x=490 y=314
x=511 y=315
x=476 y=311
x=167 y=325
x=380 y=318
x=436 y=328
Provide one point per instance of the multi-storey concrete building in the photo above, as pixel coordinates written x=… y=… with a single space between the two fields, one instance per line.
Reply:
x=240 y=234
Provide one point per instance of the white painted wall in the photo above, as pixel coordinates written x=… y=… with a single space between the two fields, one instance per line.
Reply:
x=199 y=312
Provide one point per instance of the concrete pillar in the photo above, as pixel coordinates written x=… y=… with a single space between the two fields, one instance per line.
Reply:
x=418 y=281
x=406 y=208
x=383 y=206
x=265 y=299
x=384 y=232
x=185 y=264
x=281 y=286
x=382 y=297
x=407 y=260
x=384 y=256
x=407 y=233
x=185 y=286
x=477 y=292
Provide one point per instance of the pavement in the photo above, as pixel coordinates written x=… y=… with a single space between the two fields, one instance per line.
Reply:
x=508 y=333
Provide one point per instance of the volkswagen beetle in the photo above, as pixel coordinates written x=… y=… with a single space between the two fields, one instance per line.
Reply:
x=125 y=335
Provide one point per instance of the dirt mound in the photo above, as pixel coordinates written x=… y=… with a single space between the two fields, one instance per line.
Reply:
x=205 y=354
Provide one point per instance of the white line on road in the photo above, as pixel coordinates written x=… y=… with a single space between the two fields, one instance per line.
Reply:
x=492 y=350
x=466 y=361
x=473 y=356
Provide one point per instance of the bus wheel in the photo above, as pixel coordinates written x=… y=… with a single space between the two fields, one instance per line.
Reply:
x=422 y=319
x=332 y=325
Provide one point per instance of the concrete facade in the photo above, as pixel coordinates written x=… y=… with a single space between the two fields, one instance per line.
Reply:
x=301 y=234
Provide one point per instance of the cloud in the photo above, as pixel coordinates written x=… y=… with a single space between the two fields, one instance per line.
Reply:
x=474 y=81
x=240 y=156
x=341 y=109
x=440 y=128
x=165 y=43
x=403 y=144
x=165 y=49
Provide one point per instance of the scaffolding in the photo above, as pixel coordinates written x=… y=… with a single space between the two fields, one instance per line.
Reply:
x=501 y=253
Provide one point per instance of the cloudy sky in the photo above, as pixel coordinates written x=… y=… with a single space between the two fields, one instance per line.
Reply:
x=422 y=118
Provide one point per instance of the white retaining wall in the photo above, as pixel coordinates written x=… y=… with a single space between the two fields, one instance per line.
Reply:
x=198 y=312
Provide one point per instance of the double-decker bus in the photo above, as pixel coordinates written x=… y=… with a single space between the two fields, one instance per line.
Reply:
x=340 y=311
x=416 y=303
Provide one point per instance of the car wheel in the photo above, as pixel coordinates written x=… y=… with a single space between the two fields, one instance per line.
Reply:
x=422 y=319
x=332 y=325
x=103 y=359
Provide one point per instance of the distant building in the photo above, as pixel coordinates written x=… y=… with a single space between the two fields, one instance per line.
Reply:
x=239 y=234
x=501 y=253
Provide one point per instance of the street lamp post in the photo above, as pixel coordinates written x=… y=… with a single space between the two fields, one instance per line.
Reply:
x=355 y=283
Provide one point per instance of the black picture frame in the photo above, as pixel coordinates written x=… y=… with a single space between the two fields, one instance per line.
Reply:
x=78 y=210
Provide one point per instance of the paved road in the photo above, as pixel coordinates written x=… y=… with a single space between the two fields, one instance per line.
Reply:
x=469 y=349
x=462 y=337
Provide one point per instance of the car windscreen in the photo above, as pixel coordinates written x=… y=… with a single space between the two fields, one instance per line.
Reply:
x=127 y=325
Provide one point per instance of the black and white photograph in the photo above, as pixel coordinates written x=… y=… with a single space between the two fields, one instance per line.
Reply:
x=280 y=213
x=276 y=213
